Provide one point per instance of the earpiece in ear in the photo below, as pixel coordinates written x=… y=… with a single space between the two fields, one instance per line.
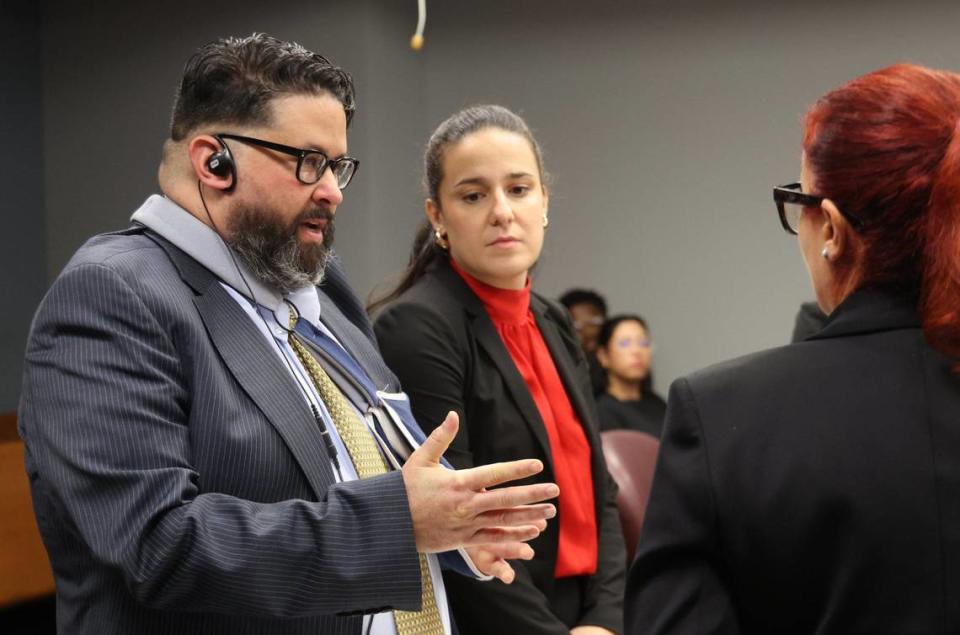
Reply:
x=221 y=164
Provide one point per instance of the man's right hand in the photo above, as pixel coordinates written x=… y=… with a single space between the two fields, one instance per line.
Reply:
x=453 y=509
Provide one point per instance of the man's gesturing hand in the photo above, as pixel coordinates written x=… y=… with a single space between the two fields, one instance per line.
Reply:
x=452 y=509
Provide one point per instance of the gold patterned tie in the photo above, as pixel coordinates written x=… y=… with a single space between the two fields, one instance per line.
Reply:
x=368 y=462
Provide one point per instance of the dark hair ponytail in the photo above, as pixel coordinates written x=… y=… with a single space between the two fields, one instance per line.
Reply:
x=423 y=253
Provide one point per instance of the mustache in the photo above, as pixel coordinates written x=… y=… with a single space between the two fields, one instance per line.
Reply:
x=320 y=213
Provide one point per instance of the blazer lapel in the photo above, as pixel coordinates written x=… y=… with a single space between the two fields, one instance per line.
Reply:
x=562 y=350
x=489 y=340
x=256 y=367
x=562 y=358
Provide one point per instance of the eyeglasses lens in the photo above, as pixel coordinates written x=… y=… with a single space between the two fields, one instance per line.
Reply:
x=792 y=213
x=344 y=172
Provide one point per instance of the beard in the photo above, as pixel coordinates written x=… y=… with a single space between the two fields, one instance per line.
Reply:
x=271 y=249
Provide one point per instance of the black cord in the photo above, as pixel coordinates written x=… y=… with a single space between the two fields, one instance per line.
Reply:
x=324 y=433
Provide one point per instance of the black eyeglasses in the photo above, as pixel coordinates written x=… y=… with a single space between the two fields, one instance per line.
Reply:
x=790 y=202
x=311 y=164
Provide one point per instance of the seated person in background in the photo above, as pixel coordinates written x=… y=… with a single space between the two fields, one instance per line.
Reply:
x=588 y=310
x=628 y=402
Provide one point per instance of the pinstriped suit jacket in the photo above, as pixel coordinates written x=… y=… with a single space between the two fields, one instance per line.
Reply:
x=178 y=477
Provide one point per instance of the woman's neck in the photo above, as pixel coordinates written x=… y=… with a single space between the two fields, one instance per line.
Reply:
x=624 y=390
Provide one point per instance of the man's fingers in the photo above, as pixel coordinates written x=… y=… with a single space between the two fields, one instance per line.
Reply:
x=522 y=515
x=437 y=443
x=508 y=551
x=478 y=478
x=505 y=498
x=496 y=535
x=501 y=570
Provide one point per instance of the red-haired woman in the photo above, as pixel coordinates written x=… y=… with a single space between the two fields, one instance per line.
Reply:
x=815 y=488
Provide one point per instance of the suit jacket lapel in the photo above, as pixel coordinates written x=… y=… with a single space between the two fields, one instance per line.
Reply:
x=352 y=333
x=256 y=367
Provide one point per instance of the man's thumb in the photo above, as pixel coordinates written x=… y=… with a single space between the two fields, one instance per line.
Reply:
x=437 y=443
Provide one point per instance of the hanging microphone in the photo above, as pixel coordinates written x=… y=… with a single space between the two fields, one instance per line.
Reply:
x=416 y=42
x=324 y=433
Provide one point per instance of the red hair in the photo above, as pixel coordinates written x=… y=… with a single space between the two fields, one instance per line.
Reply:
x=885 y=148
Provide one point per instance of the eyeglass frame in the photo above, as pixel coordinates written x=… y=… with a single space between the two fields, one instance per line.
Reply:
x=300 y=153
x=791 y=193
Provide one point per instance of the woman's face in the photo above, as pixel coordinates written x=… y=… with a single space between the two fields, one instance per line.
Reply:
x=627 y=355
x=492 y=206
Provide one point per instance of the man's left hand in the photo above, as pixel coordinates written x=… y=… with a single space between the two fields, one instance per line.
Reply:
x=492 y=559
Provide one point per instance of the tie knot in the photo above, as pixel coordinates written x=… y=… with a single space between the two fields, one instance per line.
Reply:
x=292 y=318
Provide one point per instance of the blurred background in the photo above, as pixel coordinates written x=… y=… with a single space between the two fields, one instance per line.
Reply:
x=665 y=124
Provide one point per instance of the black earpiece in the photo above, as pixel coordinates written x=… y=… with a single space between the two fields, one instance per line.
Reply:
x=221 y=164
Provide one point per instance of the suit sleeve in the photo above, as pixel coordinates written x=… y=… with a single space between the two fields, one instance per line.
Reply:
x=105 y=411
x=676 y=584
x=431 y=360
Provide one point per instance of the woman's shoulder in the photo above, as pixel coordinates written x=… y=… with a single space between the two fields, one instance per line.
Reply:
x=427 y=312
x=762 y=367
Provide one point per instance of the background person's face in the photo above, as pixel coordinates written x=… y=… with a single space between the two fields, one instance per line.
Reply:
x=492 y=206
x=587 y=319
x=627 y=354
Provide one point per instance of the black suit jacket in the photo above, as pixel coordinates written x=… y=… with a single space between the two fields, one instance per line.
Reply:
x=439 y=340
x=179 y=479
x=813 y=488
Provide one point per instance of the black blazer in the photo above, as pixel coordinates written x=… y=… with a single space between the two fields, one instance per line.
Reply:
x=439 y=340
x=813 y=488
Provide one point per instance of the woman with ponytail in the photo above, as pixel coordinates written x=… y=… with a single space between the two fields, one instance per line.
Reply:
x=464 y=332
x=815 y=488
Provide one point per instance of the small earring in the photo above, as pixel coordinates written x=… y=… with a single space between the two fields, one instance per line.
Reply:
x=440 y=239
x=546 y=221
x=826 y=256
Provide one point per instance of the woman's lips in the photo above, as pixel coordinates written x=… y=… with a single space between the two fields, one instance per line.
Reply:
x=506 y=241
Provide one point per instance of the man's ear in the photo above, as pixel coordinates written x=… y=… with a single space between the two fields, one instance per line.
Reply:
x=834 y=230
x=212 y=162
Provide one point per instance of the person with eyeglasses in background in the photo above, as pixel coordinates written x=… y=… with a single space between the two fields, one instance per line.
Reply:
x=815 y=487
x=588 y=309
x=213 y=441
x=628 y=402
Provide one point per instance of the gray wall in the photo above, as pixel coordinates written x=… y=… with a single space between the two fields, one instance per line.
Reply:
x=22 y=261
x=665 y=124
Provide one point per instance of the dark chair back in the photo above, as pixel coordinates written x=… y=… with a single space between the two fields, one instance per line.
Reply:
x=631 y=457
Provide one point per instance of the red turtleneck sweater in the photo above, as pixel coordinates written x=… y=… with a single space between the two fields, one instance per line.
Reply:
x=570 y=452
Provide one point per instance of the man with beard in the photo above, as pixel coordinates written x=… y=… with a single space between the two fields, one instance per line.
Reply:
x=213 y=441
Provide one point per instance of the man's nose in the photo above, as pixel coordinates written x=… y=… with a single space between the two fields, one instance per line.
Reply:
x=327 y=190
